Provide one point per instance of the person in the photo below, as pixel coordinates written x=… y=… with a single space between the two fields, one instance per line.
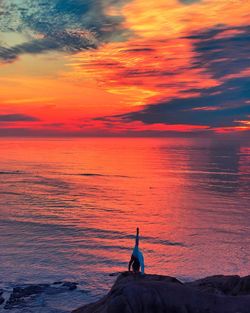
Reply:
x=137 y=259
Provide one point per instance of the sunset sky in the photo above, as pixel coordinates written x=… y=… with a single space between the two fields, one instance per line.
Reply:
x=120 y=67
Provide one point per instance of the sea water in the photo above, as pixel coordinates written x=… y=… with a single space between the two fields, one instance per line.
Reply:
x=69 y=209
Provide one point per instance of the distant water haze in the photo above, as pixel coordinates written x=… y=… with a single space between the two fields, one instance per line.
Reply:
x=69 y=208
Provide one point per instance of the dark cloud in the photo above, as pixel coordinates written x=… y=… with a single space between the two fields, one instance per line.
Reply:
x=54 y=125
x=220 y=106
x=61 y=25
x=17 y=118
x=64 y=42
x=139 y=50
x=222 y=50
x=189 y=1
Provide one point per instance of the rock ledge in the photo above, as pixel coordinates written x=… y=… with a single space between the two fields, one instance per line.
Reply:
x=163 y=294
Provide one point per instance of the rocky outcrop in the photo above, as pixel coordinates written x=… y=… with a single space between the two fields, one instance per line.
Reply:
x=1 y=297
x=20 y=296
x=162 y=294
x=70 y=285
x=19 y=293
x=223 y=285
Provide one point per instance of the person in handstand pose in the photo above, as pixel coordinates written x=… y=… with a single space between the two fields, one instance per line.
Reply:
x=137 y=260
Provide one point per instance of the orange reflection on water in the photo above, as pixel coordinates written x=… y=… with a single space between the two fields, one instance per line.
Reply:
x=88 y=196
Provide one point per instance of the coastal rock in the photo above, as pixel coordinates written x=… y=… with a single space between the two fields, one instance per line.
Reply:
x=70 y=285
x=1 y=298
x=224 y=285
x=19 y=293
x=162 y=294
x=22 y=294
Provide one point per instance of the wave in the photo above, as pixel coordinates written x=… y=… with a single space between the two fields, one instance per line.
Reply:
x=10 y=193
x=97 y=175
x=88 y=232
x=11 y=172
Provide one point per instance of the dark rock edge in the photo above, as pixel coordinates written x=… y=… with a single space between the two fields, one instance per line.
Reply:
x=163 y=294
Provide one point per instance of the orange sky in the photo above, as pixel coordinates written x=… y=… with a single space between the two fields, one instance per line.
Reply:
x=164 y=56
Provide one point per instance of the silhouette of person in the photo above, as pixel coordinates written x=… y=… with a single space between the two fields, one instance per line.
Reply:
x=137 y=260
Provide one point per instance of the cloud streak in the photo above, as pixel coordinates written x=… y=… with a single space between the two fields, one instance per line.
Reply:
x=128 y=66
x=222 y=106
x=189 y=1
x=60 y=25
x=221 y=52
x=17 y=118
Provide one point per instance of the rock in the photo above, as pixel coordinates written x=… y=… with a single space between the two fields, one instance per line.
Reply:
x=219 y=284
x=162 y=294
x=24 y=296
x=115 y=274
x=1 y=298
x=70 y=285
x=20 y=293
x=224 y=285
x=58 y=283
x=13 y=302
x=243 y=287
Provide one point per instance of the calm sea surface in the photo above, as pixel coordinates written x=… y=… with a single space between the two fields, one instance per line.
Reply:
x=69 y=208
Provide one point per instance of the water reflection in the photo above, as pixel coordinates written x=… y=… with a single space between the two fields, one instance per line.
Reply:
x=79 y=204
x=213 y=164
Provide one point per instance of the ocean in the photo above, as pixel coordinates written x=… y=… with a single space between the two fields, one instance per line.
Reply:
x=69 y=209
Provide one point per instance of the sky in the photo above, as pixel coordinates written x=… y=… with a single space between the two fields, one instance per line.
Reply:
x=124 y=67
